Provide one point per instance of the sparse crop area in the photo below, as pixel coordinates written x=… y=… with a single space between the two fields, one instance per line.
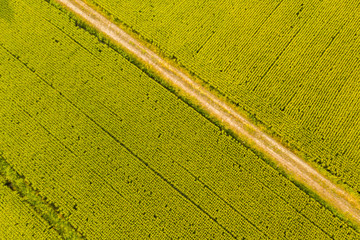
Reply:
x=94 y=148
x=290 y=66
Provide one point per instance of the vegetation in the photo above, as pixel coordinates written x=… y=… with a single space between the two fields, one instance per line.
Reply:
x=291 y=66
x=18 y=219
x=121 y=157
x=37 y=211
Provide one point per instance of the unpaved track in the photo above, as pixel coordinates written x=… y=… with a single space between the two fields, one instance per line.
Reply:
x=217 y=109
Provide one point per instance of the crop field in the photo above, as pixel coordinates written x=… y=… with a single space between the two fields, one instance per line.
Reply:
x=291 y=66
x=121 y=157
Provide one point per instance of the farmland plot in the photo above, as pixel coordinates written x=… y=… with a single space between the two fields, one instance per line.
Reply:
x=291 y=66
x=122 y=157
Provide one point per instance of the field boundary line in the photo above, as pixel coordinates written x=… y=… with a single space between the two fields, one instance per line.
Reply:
x=47 y=211
x=221 y=112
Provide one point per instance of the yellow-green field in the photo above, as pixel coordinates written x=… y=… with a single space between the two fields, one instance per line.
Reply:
x=292 y=66
x=119 y=156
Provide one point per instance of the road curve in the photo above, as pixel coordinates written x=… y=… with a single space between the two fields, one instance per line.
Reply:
x=300 y=170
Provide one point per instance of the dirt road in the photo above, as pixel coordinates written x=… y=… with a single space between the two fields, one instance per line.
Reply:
x=223 y=112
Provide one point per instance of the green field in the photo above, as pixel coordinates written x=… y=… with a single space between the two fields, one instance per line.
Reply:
x=121 y=157
x=291 y=66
